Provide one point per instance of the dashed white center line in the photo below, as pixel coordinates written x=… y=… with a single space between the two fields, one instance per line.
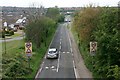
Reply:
x=60 y=39
x=60 y=47
x=58 y=62
x=60 y=43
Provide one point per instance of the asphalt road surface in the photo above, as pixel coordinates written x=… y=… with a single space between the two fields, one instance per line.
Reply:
x=64 y=66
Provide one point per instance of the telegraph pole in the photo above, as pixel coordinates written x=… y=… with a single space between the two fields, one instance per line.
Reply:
x=5 y=41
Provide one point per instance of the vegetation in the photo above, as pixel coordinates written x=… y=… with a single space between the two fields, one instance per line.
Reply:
x=39 y=30
x=101 y=25
x=15 y=61
x=54 y=14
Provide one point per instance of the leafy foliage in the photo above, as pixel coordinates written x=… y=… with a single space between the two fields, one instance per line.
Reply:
x=54 y=14
x=101 y=25
x=39 y=30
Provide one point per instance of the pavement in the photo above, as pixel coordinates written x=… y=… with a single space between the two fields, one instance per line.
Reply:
x=69 y=64
x=82 y=71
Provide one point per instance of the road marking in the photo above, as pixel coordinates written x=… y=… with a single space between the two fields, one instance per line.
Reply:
x=63 y=52
x=60 y=43
x=58 y=63
x=60 y=46
x=60 y=39
x=46 y=67
x=68 y=52
x=53 y=67
x=74 y=69
x=39 y=70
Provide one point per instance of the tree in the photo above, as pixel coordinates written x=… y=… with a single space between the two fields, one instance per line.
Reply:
x=53 y=13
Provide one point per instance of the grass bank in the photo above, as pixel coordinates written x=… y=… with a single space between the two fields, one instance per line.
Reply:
x=15 y=63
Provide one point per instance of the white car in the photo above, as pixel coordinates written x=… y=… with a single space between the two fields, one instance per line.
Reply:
x=52 y=53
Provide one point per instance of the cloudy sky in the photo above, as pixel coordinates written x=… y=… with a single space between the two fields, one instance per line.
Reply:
x=59 y=3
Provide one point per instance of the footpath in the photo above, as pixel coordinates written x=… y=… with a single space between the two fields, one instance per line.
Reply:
x=81 y=69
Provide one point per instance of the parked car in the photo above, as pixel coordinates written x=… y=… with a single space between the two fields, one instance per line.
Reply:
x=52 y=53
x=15 y=29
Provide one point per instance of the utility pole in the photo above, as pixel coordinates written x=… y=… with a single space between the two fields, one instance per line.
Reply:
x=5 y=41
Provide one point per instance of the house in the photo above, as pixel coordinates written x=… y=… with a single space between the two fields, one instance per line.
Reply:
x=20 y=22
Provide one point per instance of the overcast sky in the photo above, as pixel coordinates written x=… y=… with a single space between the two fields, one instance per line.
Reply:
x=59 y=3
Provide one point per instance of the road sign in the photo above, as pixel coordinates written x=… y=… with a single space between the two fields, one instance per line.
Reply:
x=93 y=48
x=28 y=48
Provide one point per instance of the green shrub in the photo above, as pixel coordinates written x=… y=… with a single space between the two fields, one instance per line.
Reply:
x=6 y=32
x=114 y=72
x=11 y=32
x=103 y=28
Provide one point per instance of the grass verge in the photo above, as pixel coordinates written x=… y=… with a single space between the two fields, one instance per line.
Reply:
x=15 y=63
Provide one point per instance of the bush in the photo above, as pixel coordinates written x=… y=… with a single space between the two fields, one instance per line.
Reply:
x=40 y=30
x=6 y=32
x=101 y=25
x=11 y=32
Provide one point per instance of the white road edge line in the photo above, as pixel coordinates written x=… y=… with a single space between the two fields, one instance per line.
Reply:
x=39 y=71
x=74 y=69
x=58 y=62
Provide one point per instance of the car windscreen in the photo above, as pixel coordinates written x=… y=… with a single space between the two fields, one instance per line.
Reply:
x=52 y=52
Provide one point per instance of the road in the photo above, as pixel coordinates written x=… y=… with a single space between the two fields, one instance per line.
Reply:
x=12 y=39
x=64 y=66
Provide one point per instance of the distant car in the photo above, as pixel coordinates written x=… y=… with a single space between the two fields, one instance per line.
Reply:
x=52 y=53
